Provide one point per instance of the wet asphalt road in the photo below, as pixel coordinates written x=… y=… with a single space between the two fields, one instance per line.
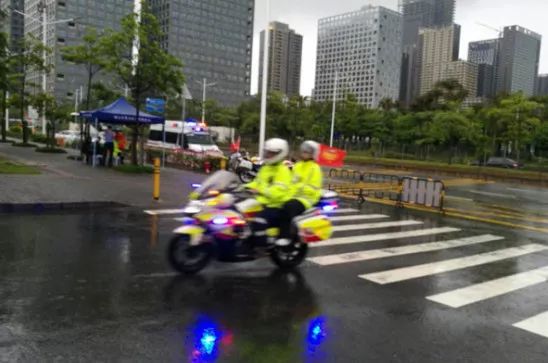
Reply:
x=95 y=287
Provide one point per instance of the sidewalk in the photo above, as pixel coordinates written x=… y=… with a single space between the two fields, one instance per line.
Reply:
x=72 y=182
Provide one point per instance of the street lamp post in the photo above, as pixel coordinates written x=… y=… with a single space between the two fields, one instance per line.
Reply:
x=44 y=22
x=336 y=85
x=262 y=132
x=204 y=95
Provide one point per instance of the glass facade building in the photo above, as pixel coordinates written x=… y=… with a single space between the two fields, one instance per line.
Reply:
x=419 y=14
x=518 y=61
x=14 y=24
x=284 y=60
x=362 y=51
x=214 y=40
x=66 y=78
x=485 y=54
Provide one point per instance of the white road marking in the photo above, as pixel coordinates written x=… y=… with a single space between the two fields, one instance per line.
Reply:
x=537 y=324
x=158 y=212
x=343 y=210
x=413 y=272
x=489 y=289
x=400 y=251
x=357 y=217
x=384 y=236
x=489 y=194
x=360 y=227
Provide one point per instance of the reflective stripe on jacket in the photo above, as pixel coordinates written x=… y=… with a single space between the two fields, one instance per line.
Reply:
x=307 y=183
x=273 y=183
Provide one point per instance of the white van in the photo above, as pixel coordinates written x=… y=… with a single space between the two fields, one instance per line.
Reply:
x=183 y=136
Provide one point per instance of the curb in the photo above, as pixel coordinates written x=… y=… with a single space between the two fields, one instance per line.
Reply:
x=55 y=206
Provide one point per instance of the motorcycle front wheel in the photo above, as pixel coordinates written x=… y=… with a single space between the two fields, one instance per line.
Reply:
x=289 y=257
x=188 y=259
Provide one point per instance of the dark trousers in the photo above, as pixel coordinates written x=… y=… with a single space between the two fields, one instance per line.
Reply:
x=268 y=218
x=108 y=150
x=290 y=210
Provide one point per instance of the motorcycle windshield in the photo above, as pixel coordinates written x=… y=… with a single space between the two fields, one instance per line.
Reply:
x=220 y=181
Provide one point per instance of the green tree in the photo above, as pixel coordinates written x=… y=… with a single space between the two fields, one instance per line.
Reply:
x=91 y=54
x=521 y=120
x=452 y=129
x=154 y=72
x=28 y=60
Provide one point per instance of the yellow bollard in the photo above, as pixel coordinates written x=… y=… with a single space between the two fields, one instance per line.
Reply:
x=156 y=187
x=223 y=164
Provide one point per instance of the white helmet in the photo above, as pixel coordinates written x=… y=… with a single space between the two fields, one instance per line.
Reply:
x=311 y=147
x=275 y=151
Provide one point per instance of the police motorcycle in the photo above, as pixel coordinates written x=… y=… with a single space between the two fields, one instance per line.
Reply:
x=217 y=225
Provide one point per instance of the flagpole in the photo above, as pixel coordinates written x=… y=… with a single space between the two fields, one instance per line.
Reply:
x=262 y=134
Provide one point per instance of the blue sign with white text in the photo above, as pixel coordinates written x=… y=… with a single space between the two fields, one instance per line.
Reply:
x=155 y=105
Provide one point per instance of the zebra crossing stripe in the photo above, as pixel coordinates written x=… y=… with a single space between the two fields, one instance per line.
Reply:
x=384 y=236
x=537 y=324
x=400 y=251
x=343 y=211
x=357 y=217
x=361 y=227
x=489 y=289
x=413 y=272
x=159 y=212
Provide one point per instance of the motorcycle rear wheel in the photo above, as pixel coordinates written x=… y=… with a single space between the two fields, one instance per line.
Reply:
x=188 y=259
x=289 y=257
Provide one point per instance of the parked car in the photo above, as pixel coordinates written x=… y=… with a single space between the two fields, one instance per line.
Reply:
x=497 y=162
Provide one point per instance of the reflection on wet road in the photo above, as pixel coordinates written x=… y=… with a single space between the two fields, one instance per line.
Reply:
x=96 y=287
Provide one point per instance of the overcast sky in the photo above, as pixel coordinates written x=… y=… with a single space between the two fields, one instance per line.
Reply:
x=303 y=15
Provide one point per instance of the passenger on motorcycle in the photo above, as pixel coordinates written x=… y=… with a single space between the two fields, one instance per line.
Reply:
x=272 y=186
x=306 y=189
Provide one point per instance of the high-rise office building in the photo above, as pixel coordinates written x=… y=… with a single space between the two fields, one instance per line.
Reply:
x=438 y=46
x=284 y=59
x=542 y=85
x=485 y=54
x=14 y=23
x=359 y=51
x=66 y=78
x=518 y=61
x=214 y=39
x=419 y=14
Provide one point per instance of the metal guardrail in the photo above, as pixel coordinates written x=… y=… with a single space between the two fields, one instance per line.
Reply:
x=402 y=191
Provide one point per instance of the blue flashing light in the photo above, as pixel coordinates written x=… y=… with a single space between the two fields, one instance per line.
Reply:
x=208 y=341
x=220 y=221
x=191 y=123
x=196 y=186
x=316 y=331
x=328 y=208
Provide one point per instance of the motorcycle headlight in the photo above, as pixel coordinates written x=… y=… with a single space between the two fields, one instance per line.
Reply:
x=193 y=208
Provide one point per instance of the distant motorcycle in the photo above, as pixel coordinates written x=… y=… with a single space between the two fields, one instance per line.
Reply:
x=244 y=166
x=218 y=224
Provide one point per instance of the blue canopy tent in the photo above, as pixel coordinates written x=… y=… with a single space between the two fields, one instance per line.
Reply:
x=119 y=113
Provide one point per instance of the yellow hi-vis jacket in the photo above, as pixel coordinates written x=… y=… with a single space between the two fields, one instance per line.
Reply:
x=307 y=183
x=273 y=183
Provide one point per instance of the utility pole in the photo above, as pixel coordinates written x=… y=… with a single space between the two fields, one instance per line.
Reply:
x=183 y=110
x=44 y=22
x=204 y=96
x=7 y=111
x=42 y=7
x=264 y=93
x=333 y=115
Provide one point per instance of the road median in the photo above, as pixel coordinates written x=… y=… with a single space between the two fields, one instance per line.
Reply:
x=477 y=172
